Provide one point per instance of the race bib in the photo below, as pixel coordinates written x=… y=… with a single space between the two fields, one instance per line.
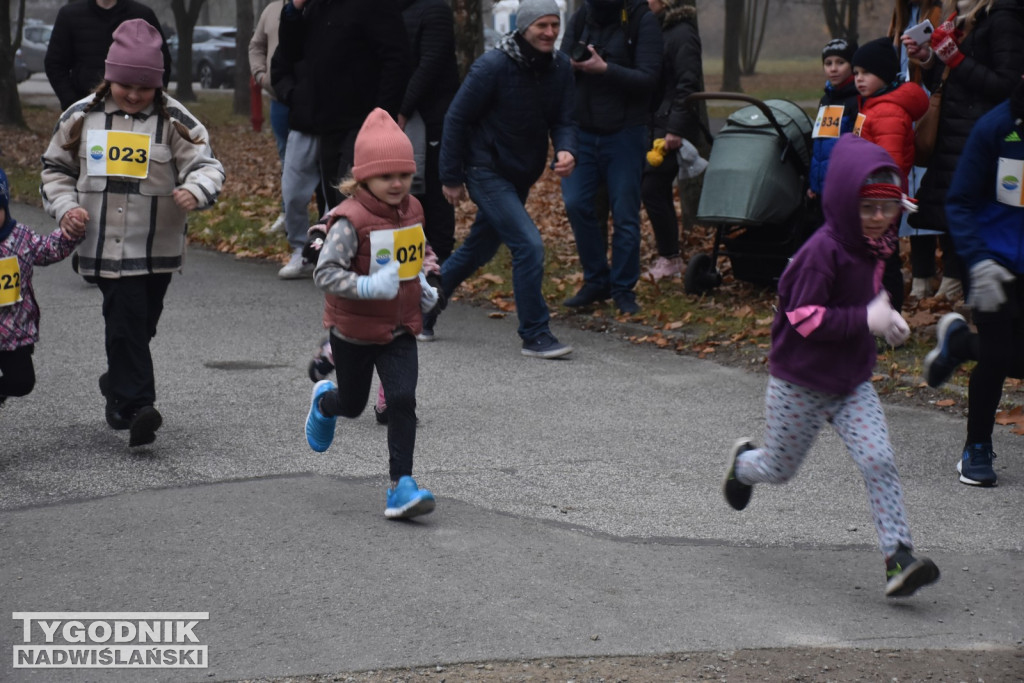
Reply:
x=114 y=152
x=858 y=124
x=1009 y=188
x=830 y=118
x=405 y=244
x=10 y=281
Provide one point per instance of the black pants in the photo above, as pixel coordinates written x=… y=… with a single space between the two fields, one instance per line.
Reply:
x=922 y=257
x=337 y=154
x=660 y=203
x=131 y=311
x=17 y=374
x=438 y=214
x=892 y=279
x=397 y=366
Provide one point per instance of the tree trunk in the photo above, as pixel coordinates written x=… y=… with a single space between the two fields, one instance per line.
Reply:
x=841 y=17
x=731 y=46
x=244 y=23
x=10 y=101
x=755 y=19
x=469 y=33
x=184 y=21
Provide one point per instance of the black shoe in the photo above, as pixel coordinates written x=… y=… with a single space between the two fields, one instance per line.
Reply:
x=737 y=494
x=144 y=425
x=114 y=418
x=904 y=573
x=626 y=303
x=588 y=294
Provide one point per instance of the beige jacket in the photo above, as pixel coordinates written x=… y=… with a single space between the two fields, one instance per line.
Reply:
x=134 y=227
x=264 y=43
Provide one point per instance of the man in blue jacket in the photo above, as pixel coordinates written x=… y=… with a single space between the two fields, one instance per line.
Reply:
x=616 y=51
x=985 y=211
x=495 y=145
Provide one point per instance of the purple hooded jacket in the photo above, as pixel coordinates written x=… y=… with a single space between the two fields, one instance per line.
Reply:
x=820 y=336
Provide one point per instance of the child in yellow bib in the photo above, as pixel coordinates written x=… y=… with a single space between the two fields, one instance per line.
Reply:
x=128 y=163
x=370 y=269
x=21 y=250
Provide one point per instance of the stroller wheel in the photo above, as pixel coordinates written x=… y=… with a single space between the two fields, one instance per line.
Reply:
x=701 y=275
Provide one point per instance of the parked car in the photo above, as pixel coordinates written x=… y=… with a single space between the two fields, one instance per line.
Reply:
x=21 y=72
x=213 y=55
x=34 y=40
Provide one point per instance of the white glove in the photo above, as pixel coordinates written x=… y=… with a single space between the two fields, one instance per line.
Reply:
x=428 y=295
x=898 y=330
x=381 y=285
x=987 y=278
x=879 y=314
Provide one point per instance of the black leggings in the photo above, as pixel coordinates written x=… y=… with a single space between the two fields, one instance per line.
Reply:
x=660 y=203
x=397 y=366
x=17 y=374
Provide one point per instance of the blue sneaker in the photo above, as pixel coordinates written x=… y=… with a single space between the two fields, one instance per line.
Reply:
x=940 y=363
x=545 y=346
x=407 y=500
x=319 y=427
x=975 y=466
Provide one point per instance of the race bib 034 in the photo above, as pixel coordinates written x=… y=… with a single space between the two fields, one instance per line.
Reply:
x=114 y=152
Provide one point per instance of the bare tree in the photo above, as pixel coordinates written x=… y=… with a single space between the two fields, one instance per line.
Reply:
x=841 y=18
x=469 y=33
x=755 y=19
x=185 y=19
x=243 y=33
x=10 y=101
x=731 y=46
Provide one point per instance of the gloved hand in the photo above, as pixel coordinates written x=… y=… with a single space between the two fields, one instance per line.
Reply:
x=880 y=314
x=987 y=279
x=898 y=330
x=946 y=43
x=428 y=295
x=314 y=242
x=381 y=285
x=435 y=281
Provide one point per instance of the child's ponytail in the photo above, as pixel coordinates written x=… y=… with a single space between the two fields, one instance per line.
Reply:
x=75 y=134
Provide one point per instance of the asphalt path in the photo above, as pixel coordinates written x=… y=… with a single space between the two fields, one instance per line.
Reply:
x=579 y=505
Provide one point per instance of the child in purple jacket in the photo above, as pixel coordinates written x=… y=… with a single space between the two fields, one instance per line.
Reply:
x=831 y=307
x=21 y=250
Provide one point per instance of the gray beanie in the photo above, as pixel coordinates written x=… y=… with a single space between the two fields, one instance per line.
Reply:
x=531 y=10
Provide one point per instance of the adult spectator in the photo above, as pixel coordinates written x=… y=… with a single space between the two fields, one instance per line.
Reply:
x=81 y=37
x=977 y=53
x=336 y=61
x=681 y=74
x=616 y=53
x=261 y=47
x=434 y=81
x=907 y=13
x=495 y=144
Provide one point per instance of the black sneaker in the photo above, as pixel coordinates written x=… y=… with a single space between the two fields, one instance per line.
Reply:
x=143 y=427
x=588 y=294
x=545 y=346
x=114 y=418
x=975 y=466
x=626 y=303
x=905 y=573
x=941 y=363
x=737 y=494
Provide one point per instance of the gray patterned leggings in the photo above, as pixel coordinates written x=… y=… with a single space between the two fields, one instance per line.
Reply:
x=793 y=417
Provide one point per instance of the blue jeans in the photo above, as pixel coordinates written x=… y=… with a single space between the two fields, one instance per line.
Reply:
x=501 y=217
x=615 y=160
x=279 y=124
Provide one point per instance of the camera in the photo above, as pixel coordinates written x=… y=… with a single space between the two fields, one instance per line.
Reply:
x=580 y=52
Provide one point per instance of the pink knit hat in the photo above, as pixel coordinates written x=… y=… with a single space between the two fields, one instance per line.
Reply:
x=135 y=57
x=381 y=148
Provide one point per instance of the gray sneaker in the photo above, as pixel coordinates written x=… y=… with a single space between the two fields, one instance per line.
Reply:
x=297 y=268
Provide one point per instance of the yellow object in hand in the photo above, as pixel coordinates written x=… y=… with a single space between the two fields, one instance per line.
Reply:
x=657 y=153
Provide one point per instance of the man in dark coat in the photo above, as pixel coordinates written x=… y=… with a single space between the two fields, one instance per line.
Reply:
x=82 y=34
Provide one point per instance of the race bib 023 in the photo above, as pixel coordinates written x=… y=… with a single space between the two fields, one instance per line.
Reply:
x=405 y=244
x=120 y=153
x=10 y=281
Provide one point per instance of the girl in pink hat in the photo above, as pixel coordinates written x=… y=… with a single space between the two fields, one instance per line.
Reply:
x=128 y=163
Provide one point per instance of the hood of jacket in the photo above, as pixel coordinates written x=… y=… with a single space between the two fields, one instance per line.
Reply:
x=677 y=15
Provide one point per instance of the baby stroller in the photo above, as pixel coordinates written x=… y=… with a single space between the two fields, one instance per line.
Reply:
x=754 y=192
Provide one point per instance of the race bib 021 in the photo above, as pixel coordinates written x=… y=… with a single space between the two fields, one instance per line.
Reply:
x=115 y=152
x=405 y=244
x=10 y=281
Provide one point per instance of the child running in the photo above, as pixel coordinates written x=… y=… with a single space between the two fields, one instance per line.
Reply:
x=831 y=305
x=20 y=250
x=129 y=163
x=371 y=271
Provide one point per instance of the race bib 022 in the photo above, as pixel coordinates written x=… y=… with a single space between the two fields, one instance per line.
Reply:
x=405 y=244
x=116 y=152
x=10 y=281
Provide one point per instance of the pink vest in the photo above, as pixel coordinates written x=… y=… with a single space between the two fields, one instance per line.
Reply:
x=375 y=321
